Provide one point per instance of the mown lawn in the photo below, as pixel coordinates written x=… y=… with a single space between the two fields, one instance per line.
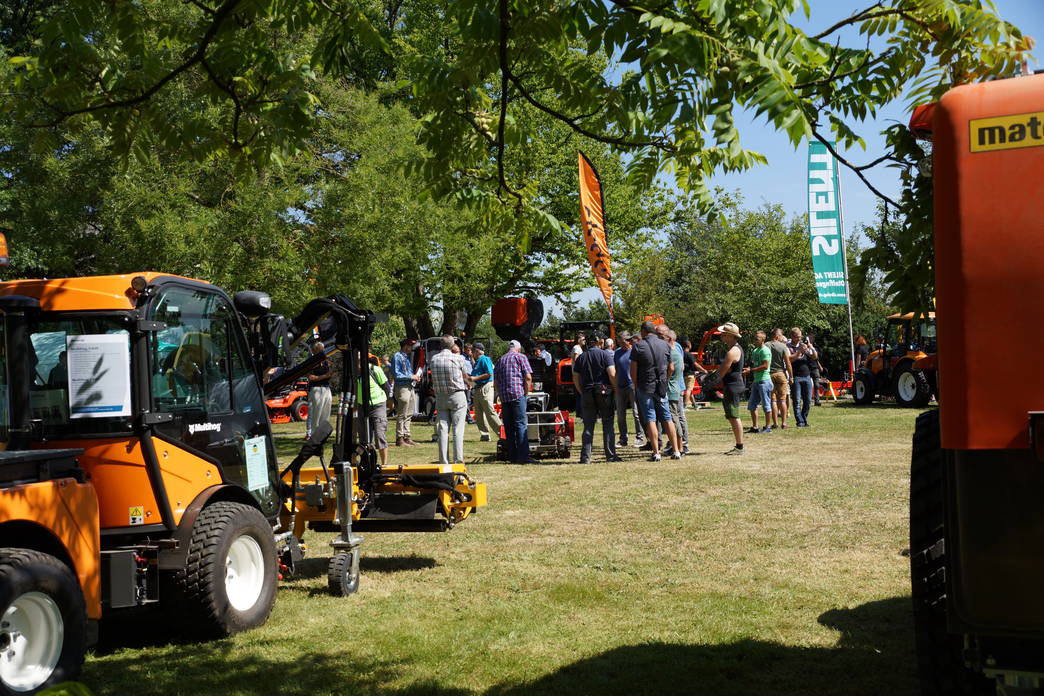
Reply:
x=778 y=572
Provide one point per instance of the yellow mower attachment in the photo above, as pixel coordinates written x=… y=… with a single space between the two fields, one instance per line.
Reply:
x=427 y=497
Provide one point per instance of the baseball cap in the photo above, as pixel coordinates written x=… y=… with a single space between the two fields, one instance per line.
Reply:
x=515 y=344
x=478 y=346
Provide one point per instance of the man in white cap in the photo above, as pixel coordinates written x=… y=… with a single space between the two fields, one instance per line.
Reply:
x=513 y=378
x=731 y=374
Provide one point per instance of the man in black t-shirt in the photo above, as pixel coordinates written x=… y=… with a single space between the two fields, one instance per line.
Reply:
x=594 y=376
x=651 y=367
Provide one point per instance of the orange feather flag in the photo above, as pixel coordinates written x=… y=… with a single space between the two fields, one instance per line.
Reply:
x=592 y=221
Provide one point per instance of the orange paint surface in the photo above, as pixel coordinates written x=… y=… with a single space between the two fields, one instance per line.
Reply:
x=989 y=253
x=69 y=510
x=81 y=294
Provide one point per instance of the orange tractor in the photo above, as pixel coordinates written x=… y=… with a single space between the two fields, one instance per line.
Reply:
x=138 y=465
x=903 y=365
x=977 y=469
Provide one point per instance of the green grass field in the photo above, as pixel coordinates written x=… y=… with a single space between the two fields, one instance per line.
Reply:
x=778 y=572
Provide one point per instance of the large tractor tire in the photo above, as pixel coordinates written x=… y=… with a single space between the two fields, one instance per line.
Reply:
x=911 y=387
x=863 y=389
x=43 y=622
x=299 y=409
x=939 y=659
x=228 y=583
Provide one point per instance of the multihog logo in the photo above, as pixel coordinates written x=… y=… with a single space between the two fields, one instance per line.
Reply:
x=1006 y=132
x=204 y=427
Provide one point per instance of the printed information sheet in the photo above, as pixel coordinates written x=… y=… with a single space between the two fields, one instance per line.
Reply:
x=99 y=375
x=257 y=463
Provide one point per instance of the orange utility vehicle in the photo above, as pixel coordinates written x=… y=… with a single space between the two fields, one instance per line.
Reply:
x=977 y=474
x=903 y=365
x=139 y=466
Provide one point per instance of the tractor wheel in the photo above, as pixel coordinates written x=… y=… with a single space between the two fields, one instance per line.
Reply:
x=863 y=389
x=939 y=661
x=342 y=574
x=43 y=622
x=228 y=583
x=299 y=410
x=911 y=387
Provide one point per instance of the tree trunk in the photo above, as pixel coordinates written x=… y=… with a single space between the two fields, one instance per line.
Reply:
x=471 y=324
x=451 y=319
x=419 y=327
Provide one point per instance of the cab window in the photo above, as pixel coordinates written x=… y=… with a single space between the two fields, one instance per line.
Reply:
x=197 y=365
x=94 y=396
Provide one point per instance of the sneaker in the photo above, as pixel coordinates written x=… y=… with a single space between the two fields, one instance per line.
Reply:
x=585 y=461
x=484 y=438
x=654 y=457
x=802 y=425
x=734 y=450
x=621 y=443
x=614 y=458
x=766 y=429
x=645 y=447
x=676 y=455
x=752 y=431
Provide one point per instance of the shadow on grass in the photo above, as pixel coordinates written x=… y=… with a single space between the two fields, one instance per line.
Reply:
x=878 y=405
x=873 y=655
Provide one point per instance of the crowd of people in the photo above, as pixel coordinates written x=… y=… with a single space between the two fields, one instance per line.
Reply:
x=638 y=386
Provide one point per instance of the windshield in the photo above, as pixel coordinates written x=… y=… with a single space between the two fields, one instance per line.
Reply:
x=81 y=381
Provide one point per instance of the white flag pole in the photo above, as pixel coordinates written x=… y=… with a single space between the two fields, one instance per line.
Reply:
x=844 y=257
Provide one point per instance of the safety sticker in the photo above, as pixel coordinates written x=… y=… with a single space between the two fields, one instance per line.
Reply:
x=137 y=514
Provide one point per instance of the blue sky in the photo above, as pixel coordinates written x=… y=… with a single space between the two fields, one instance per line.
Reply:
x=783 y=179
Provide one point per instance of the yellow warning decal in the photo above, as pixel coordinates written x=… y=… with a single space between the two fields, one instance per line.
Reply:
x=137 y=514
x=1006 y=132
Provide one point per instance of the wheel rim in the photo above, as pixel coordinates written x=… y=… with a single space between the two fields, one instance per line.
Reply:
x=907 y=386
x=31 y=637
x=244 y=572
x=860 y=389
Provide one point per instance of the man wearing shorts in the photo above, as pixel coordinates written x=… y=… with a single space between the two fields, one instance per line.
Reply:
x=781 y=374
x=650 y=371
x=761 y=384
x=731 y=373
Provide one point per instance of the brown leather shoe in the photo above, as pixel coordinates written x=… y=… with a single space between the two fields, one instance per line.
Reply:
x=399 y=442
x=410 y=443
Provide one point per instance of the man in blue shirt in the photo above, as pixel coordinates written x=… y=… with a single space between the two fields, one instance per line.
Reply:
x=625 y=391
x=406 y=379
x=482 y=378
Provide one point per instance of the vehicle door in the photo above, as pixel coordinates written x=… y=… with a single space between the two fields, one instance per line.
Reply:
x=201 y=375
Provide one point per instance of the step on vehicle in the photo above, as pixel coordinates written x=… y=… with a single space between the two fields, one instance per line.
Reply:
x=977 y=468
x=139 y=468
x=903 y=366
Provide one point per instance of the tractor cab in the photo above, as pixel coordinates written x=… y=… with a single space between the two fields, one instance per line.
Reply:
x=898 y=366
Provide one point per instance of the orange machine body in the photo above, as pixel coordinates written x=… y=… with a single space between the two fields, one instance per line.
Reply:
x=989 y=249
x=67 y=510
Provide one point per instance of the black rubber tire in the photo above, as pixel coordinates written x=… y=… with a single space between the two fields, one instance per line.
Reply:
x=200 y=597
x=863 y=389
x=342 y=574
x=939 y=660
x=299 y=409
x=24 y=570
x=923 y=390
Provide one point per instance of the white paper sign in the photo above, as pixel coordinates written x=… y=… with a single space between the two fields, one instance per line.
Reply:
x=99 y=375
x=256 y=462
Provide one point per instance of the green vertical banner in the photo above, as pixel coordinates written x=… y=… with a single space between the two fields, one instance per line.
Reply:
x=824 y=226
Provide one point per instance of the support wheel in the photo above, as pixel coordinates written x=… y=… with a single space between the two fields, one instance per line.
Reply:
x=911 y=387
x=342 y=574
x=228 y=583
x=299 y=410
x=863 y=389
x=43 y=622
x=939 y=661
